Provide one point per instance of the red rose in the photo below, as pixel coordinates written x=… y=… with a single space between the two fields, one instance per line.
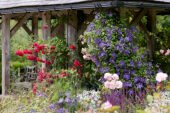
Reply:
x=76 y=63
x=31 y=57
x=35 y=44
x=36 y=50
x=73 y=47
x=45 y=26
x=73 y=68
x=53 y=57
x=53 y=35
x=52 y=47
x=43 y=52
x=19 y=53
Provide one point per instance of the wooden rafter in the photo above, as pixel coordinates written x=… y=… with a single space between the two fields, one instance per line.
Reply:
x=138 y=16
x=19 y=24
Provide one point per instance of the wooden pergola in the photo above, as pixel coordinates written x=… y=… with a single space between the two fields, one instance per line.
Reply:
x=45 y=11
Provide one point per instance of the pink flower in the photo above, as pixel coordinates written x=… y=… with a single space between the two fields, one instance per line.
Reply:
x=112 y=84
x=167 y=53
x=45 y=26
x=89 y=111
x=107 y=84
x=108 y=76
x=161 y=51
x=161 y=76
x=43 y=52
x=106 y=105
x=115 y=77
x=85 y=57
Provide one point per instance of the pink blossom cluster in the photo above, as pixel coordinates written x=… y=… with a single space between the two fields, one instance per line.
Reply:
x=166 y=53
x=112 y=81
x=86 y=56
x=161 y=76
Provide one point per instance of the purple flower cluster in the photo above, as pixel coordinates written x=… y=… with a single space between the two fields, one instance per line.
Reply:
x=116 y=52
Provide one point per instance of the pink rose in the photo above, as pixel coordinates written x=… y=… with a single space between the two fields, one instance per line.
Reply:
x=161 y=76
x=108 y=76
x=85 y=57
x=106 y=105
x=112 y=84
x=107 y=84
x=161 y=51
x=115 y=77
x=167 y=53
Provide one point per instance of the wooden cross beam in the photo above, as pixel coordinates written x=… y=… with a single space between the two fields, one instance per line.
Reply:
x=59 y=29
x=19 y=24
x=138 y=16
x=27 y=29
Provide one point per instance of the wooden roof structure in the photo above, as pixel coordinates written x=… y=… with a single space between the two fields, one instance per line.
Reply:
x=43 y=10
x=22 y=6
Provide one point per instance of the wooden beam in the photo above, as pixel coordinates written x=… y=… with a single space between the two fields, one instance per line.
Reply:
x=24 y=26
x=20 y=23
x=46 y=21
x=138 y=16
x=59 y=30
x=144 y=29
x=46 y=30
x=71 y=27
x=35 y=26
x=5 y=54
x=151 y=26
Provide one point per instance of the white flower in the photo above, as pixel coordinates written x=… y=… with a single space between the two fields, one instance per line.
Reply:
x=119 y=84
x=161 y=76
x=115 y=77
x=83 y=51
x=112 y=84
x=108 y=76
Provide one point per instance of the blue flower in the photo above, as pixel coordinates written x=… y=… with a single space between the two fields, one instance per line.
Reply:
x=132 y=64
x=136 y=79
x=122 y=63
x=114 y=55
x=127 y=84
x=112 y=60
x=91 y=26
x=67 y=94
x=139 y=64
x=130 y=91
x=60 y=100
x=139 y=85
x=126 y=76
x=102 y=54
x=67 y=100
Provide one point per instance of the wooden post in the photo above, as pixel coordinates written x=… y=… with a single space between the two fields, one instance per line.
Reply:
x=46 y=21
x=46 y=30
x=5 y=54
x=35 y=26
x=151 y=26
x=71 y=27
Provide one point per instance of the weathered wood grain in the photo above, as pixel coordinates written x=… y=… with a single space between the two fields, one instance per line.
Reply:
x=20 y=23
x=5 y=54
